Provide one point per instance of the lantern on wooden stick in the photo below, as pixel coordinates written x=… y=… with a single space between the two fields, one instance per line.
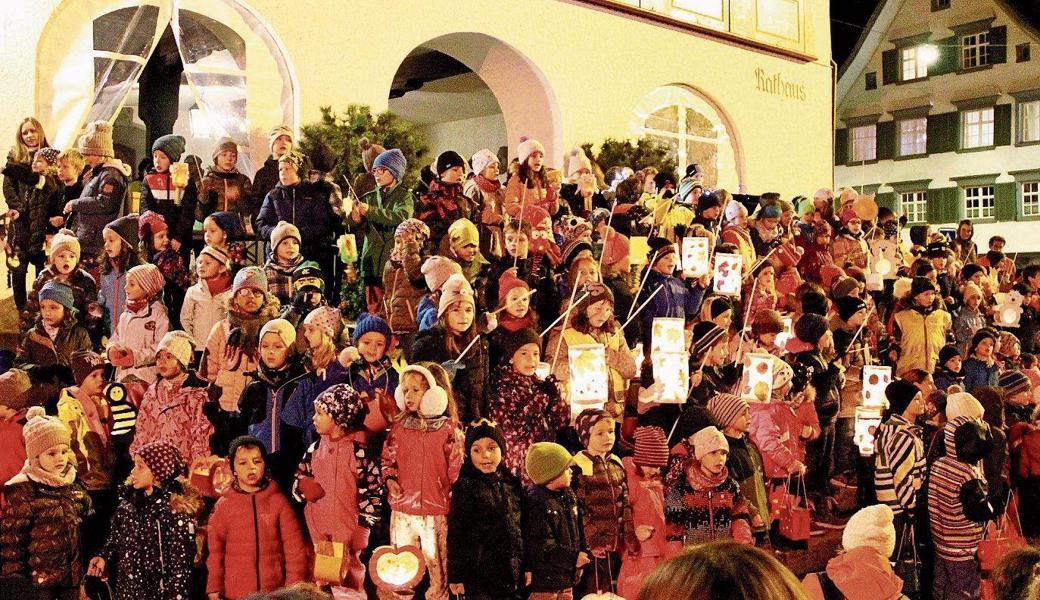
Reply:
x=875 y=379
x=695 y=256
x=728 y=274
x=587 y=365
x=757 y=384
x=396 y=568
x=866 y=423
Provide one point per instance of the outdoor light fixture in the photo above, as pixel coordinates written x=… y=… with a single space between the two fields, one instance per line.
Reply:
x=928 y=54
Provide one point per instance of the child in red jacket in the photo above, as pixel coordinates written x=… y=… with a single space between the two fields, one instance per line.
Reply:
x=646 y=490
x=255 y=542
x=421 y=459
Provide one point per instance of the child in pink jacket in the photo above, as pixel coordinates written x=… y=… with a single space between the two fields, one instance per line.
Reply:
x=339 y=483
x=421 y=459
x=646 y=492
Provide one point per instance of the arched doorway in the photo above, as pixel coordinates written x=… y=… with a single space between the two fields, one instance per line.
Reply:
x=470 y=91
x=201 y=68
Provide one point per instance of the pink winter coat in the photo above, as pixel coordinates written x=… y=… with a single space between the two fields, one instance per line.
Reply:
x=424 y=456
x=775 y=429
x=172 y=412
x=255 y=544
x=860 y=574
x=647 y=497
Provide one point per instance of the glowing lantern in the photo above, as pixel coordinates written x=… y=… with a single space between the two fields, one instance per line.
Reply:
x=784 y=336
x=875 y=380
x=212 y=476
x=331 y=563
x=602 y=596
x=757 y=384
x=1009 y=308
x=588 y=376
x=394 y=568
x=669 y=335
x=347 y=246
x=884 y=259
x=866 y=424
x=672 y=374
x=638 y=248
x=728 y=274
x=695 y=256
x=179 y=174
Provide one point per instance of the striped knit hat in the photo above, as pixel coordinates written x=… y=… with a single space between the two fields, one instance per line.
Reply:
x=651 y=447
x=218 y=255
x=148 y=277
x=1014 y=382
x=705 y=335
x=725 y=408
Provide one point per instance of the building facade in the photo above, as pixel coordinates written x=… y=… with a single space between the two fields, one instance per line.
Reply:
x=938 y=113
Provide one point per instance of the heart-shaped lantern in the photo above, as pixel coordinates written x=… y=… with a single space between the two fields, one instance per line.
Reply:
x=396 y=568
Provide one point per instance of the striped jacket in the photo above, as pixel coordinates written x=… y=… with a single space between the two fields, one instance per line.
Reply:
x=956 y=536
x=899 y=464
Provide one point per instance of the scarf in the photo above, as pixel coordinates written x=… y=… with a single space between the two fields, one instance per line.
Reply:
x=52 y=332
x=513 y=324
x=219 y=284
x=33 y=471
x=488 y=186
x=698 y=480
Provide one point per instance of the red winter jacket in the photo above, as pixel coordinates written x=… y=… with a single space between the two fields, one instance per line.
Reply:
x=255 y=544
x=425 y=457
x=1024 y=440
x=776 y=430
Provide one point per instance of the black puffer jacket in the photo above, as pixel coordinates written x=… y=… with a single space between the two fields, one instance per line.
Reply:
x=553 y=537
x=485 y=545
x=469 y=382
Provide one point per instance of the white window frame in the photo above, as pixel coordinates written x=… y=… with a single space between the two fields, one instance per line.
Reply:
x=1028 y=121
x=913 y=136
x=979 y=202
x=915 y=205
x=1030 y=199
x=863 y=143
x=977 y=127
x=975 y=50
x=911 y=64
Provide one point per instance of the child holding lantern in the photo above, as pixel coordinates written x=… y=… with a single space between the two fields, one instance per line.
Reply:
x=164 y=191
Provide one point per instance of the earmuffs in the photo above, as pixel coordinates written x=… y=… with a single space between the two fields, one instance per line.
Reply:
x=434 y=401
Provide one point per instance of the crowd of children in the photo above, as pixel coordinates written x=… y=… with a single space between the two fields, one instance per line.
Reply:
x=505 y=406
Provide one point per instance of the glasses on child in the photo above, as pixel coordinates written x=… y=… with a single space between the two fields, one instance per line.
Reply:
x=250 y=292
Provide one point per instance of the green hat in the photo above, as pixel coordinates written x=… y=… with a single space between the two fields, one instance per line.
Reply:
x=546 y=461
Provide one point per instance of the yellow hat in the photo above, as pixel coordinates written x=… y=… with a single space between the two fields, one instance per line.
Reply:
x=463 y=233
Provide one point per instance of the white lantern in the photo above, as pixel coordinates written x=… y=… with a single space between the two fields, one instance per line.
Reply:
x=695 y=256
x=1009 y=308
x=866 y=423
x=672 y=374
x=884 y=258
x=875 y=379
x=668 y=335
x=757 y=382
x=728 y=274
x=784 y=336
x=588 y=384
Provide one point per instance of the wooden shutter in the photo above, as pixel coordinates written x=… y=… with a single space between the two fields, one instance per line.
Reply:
x=1005 y=199
x=1002 y=125
x=943 y=129
x=998 y=45
x=889 y=67
x=886 y=140
x=949 y=56
x=841 y=147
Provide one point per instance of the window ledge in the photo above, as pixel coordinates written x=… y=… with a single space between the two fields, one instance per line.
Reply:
x=911 y=156
x=859 y=163
x=1032 y=143
x=1022 y=217
x=962 y=71
x=979 y=149
x=909 y=81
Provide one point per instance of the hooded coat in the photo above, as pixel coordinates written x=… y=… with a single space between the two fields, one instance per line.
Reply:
x=100 y=203
x=859 y=574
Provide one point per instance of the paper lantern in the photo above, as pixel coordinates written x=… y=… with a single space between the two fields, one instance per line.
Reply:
x=179 y=174
x=728 y=275
x=865 y=207
x=396 y=568
x=331 y=563
x=347 y=246
x=695 y=256
x=587 y=365
x=1009 y=309
x=757 y=382
x=672 y=374
x=884 y=258
x=602 y=596
x=866 y=423
x=668 y=335
x=784 y=336
x=875 y=379
x=211 y=477
x=638 y=249
x=542 y=370
x=874 y=283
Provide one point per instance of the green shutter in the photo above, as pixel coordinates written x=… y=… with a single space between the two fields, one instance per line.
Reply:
x=943 y=130
x=841 y=147
x=1002 y=125
x=1005 y=198
x=886 y=140
x=998 y=45
x=889 y=66
x=944 y=205
x=949 y=56
x=888 y=200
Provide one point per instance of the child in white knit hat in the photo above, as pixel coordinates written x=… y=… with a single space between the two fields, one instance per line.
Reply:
x=135 y=339
x=862 y=571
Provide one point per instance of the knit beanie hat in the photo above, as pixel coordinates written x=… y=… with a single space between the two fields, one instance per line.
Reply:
x=85 y=362
x=946 y=353
x=482 y=160
x=871 y=526
x=546 y=461
x=449 y=159
x=392 y=160
x=282 y=231
x=815 y=303
x=572 y=248
x=810 y=328
x=126 y=228
x=58 y=292
x=843 y=287
x=345 y=405
x=369 y=152
x=1006 y=341
x=218 y=255
x=921 y=285
x=970 y=270
x=509 y=282
x=705 y=335
x=963 y=404
x=463 y=233
x=224 y=144
x=829 y=274
x=659 y=248
x=615 y=249
x=848 y=306
x=651 y=447
x=163 y=460
x=782 y=373
x=983 y=334
x=228 y=223
x=246 y=440
x=308 y=274
x=586 y=420
x=150 y=223
x=718 y=306
x=591 y=293
x=725 y=408
x=900 y=393
x=1014 y=382
x=514 y=341
x=528 y=147
x=708 y=201
x=250 y=278
x=48 y=155
x=276 y=133
x=767 y=321
x=170 y=145
x=179 y=344
x=484 y=429
x=367 y=323
x=708 y=440
x=415 y=227
x=455 y=289
x=282 y=328
x=770 y=211
x=97 y=140
x=437 y=269
x=328 y=319
x=42 y=433
x=292 y=157
x=733 y=210
x=65 y=240
x=14 y=389
x=148 y=277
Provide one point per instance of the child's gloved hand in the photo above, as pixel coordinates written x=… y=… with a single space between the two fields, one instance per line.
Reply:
x=348 y=355
x=643 y=532
x=310 y=489
x=120 y=356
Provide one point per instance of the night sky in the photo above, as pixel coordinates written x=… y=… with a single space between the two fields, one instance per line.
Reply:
x=848 y=18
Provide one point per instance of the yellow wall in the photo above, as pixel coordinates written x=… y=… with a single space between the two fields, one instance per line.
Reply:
x=599 y=64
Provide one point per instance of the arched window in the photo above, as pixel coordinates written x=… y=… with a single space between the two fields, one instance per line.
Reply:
x=694 y=130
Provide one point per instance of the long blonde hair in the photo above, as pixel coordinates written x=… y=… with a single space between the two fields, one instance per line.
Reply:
x=722 y=570
x=20 y=152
